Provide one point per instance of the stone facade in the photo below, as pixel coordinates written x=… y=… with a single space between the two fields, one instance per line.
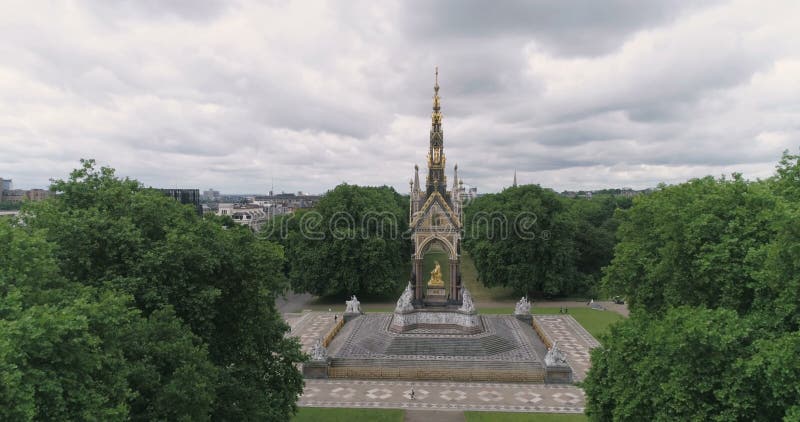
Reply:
x=435 y=215
x=465 y=322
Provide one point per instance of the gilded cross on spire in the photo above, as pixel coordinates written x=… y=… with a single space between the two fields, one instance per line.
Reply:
x=436 y=107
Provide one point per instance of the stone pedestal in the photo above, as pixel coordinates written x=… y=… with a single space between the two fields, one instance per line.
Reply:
x=558 y=375
x=436 y=296
x=349 y=316
x=466 y=322
x=316 y=369
x=526 y=318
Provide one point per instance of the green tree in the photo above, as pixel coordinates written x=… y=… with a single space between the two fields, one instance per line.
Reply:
x=75 y=352
x=594 y=236
x=9 y=205
x=351 y=242
x=218 y=279
x=693 y=244
x=711 y=268
x=537 y=242
x=673 y=368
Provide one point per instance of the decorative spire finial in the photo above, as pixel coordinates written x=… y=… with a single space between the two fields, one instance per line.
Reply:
x=436 y=106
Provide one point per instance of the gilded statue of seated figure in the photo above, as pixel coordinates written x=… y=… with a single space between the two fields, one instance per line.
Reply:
x=436 y=277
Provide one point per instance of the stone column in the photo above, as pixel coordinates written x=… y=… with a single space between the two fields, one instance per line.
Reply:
x=454 y=280
x=420 y=278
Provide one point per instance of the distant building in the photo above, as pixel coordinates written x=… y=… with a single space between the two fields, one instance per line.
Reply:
x=210 y=195
x=626 y=192
x=468 y=194
x=250 y=215
x=185 y=196
x=285 y=203
x=14 y=195
x=7 y=194
x=38 y=194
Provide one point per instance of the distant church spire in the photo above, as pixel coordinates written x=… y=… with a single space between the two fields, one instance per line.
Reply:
x=515 y=178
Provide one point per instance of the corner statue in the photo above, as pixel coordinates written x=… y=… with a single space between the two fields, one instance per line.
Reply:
x=436 y=277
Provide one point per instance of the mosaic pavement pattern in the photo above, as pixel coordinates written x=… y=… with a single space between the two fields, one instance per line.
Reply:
x=443 y=396
x=309 y=326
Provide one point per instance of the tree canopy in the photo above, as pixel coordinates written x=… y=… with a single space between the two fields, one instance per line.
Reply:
x=351 y=242
x=122 y=303
x=710 y=268
x=540 y=243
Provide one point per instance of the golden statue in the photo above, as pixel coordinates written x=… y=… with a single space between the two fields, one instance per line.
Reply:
x=436 y=277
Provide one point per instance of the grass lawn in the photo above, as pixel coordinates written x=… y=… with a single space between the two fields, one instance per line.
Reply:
x=479 y=292
x=595 y=322
x=519 y=417
x=314 y=414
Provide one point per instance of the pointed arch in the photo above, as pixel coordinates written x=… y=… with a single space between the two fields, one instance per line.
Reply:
x=448 y=246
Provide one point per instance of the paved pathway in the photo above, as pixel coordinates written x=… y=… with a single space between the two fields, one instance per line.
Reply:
x=572 y=339
x=443 y=396
x=432 y=395
x=310 y=326
x=292 y=302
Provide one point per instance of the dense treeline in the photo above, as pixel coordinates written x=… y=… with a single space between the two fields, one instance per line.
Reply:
x=354 y=241
x=10 y=205
x=539 y=243
x=119 y=303
x=711 y=268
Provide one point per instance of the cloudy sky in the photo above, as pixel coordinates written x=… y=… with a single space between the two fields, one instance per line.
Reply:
x=237 y=95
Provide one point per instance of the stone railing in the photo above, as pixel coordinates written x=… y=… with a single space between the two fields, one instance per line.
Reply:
x=332 y=333
x=540 y=332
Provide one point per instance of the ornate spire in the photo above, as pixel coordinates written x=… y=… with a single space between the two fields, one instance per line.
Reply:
x=416 y=179
x=436 y=116
x=436 y=158
x=515 y=178
x=455 y=179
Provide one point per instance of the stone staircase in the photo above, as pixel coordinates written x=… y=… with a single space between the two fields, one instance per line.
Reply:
x=367 y=351
x=438 y=369
x=482 y=346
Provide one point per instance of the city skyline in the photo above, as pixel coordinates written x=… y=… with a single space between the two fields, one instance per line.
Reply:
x=244 y=96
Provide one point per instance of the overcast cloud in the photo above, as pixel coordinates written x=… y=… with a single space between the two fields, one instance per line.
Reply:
x=575 y=94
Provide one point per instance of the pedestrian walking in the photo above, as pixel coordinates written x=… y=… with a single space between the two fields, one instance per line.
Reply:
x=412 y=393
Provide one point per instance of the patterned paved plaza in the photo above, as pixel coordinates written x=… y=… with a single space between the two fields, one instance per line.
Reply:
x=443 y=396
x=573 y=339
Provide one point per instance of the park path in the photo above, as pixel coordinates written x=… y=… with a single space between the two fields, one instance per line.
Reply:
x=436 y=395
x=292 y=302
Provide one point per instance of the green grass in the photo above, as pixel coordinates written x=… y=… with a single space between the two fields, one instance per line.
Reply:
x=519 y=417
x=479 y=292
x=595 y=322
x=314 y=414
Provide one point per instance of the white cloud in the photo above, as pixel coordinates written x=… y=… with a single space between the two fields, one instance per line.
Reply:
x=311 y=94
